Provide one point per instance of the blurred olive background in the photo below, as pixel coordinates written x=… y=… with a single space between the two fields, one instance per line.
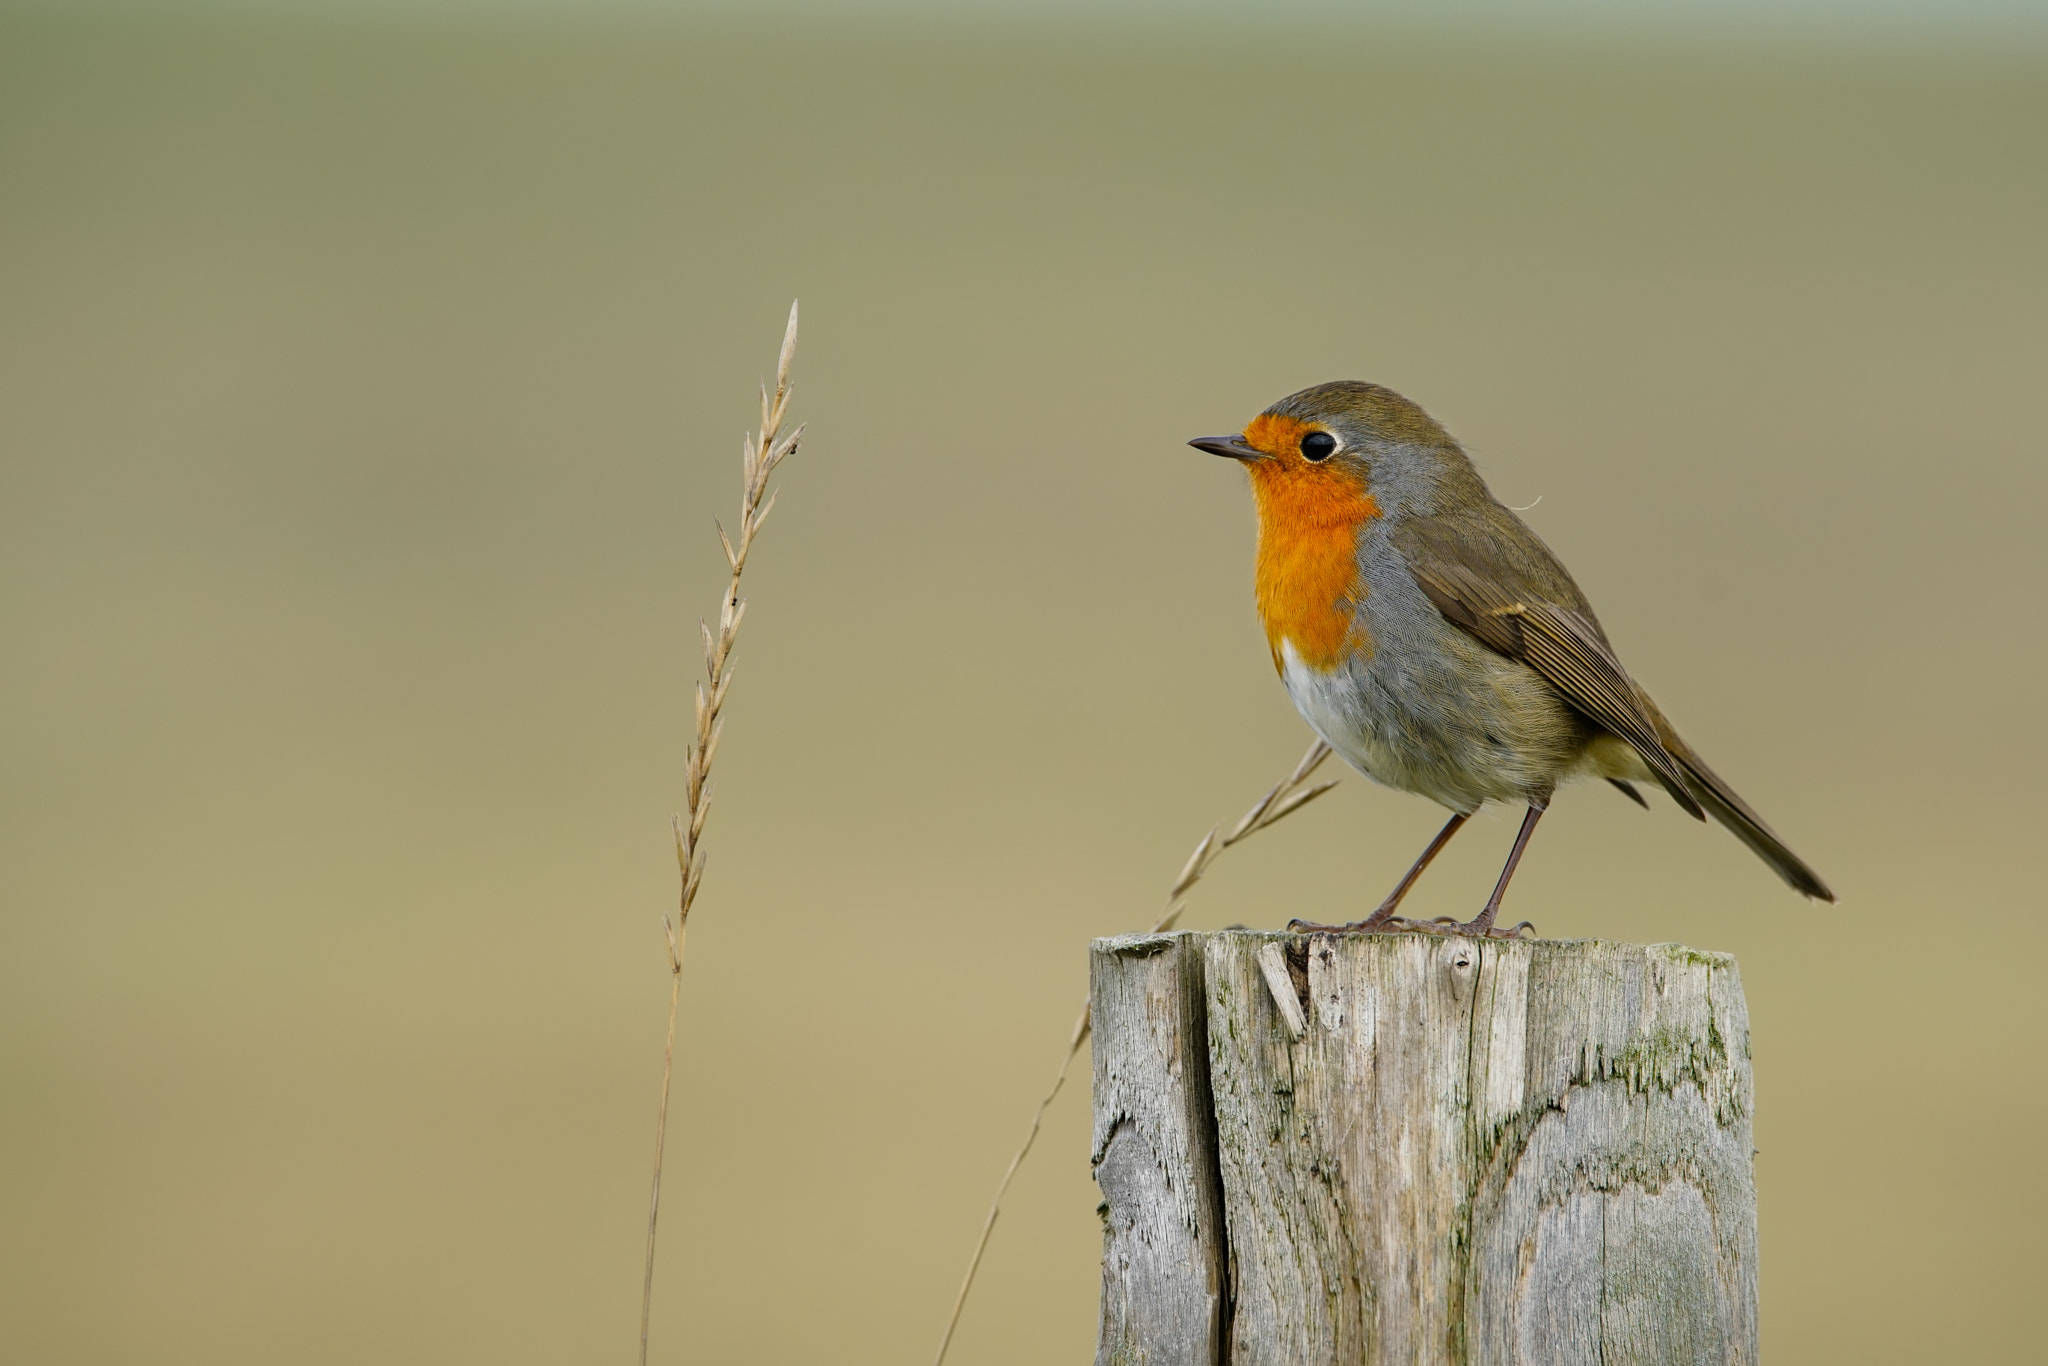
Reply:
x=370 y=389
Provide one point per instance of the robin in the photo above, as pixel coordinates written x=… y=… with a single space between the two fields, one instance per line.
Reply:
x=1432 y=639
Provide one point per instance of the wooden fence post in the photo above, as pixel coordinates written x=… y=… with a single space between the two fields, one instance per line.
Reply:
x=1163 y=1270
x=1327 y=1150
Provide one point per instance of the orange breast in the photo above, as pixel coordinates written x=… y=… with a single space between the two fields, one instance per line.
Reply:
x=1308 y=583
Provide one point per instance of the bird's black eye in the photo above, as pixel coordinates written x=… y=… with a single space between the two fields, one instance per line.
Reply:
x=1318 y=446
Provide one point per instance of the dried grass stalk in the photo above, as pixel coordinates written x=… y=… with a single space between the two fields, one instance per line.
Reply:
x=1283 y=800
x=760 y=453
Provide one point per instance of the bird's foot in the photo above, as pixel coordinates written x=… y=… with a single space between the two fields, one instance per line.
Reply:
x=1394 y=924
x=1386 y=922
x=1313 y=927
x=1382 y=921
x=1480 y=928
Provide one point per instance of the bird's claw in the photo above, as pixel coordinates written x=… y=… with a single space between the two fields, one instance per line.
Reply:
x=1479 y=931
x=1394 y=924
x=1372 y=924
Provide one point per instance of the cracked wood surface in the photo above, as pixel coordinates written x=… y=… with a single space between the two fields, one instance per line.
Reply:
x=1155 y=1155
x=1473 y=1152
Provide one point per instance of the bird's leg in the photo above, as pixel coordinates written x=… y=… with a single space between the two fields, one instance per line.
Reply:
x=1483 y=925
x=1384 y=916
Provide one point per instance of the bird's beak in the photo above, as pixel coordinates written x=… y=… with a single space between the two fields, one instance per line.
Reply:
x=1231 y=446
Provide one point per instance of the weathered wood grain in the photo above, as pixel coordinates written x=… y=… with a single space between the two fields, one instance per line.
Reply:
x=1491 y=1152
x=1163 y=1275
x=1614 y=1215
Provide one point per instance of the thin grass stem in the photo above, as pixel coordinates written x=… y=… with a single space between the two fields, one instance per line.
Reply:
x=760 y=453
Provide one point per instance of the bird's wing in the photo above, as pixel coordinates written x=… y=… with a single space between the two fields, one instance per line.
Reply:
x=1505 y=608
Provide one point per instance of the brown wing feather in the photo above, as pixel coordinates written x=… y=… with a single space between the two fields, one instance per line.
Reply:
x=1562 y=647
x=1522 y=603
x=1628 y=790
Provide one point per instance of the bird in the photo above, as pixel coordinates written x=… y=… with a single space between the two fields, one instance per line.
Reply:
x=1435 y=643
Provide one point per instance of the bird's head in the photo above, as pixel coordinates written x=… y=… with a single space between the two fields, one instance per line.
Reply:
x=1342 y=438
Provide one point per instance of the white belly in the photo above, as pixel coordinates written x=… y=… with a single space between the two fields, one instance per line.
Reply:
x=1460 y=744
x=1330 y=703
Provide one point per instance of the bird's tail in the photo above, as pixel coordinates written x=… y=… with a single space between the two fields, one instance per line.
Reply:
x=1724 y=806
